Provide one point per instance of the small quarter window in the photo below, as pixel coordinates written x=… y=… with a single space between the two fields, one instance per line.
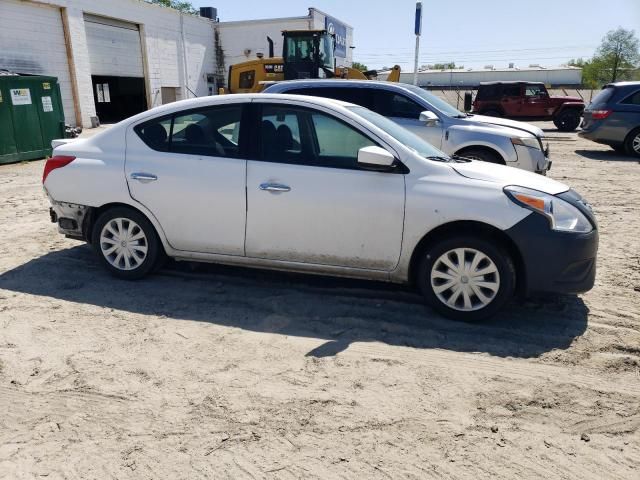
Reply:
x=155 y=133
x=633 y=99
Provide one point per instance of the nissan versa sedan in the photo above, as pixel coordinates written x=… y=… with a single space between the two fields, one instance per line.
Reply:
x=321 y=186
x=480 y=137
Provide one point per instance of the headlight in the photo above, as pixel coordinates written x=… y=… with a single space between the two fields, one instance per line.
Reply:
x=526 y=142
x=563 y=216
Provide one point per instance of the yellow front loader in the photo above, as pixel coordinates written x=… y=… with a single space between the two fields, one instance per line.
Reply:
x=305 y=54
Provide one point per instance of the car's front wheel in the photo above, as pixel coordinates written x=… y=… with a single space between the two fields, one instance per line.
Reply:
x=466 y=278
x=126 y=243
x=567 y=121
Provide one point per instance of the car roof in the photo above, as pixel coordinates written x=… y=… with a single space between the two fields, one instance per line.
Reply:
x=511 y=82
x=622 y=84
x=335 y=82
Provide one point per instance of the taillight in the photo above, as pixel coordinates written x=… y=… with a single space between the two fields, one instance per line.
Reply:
x=600 y=114
x=58 y=161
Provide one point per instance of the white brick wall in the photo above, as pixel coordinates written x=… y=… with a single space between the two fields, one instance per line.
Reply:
x=162 y=39
x=32 y=41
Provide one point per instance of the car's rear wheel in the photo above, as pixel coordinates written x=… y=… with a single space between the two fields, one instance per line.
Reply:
x=482 y=154
x=632 y=143
x=466 y=278
x=126 y=243
x=567 y=121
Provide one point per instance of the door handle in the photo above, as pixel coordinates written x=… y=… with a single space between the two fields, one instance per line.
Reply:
x=144 y=177
x=274 y=187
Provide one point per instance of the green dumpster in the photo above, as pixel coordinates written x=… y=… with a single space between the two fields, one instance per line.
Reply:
x=31 y=116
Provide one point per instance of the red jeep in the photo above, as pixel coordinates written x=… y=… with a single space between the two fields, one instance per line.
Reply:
x=528 y=100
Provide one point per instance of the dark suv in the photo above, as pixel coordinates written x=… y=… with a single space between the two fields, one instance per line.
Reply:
x=613 y=118
x=528 y=100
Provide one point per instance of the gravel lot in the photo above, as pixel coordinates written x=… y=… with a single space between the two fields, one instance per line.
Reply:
x=234 y=373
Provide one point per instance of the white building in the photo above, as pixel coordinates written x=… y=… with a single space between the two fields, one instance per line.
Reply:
x=242 y=40
x=145 y=54
x=115 y=58
x=471 y=78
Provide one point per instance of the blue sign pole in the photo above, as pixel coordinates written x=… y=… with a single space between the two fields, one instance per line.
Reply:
x=418 y=32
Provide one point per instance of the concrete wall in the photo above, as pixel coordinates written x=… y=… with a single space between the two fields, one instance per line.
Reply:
x=464 y=78
x=178 y=50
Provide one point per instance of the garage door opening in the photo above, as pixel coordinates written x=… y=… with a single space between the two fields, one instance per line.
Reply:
x=117 y=98
x=117 y=72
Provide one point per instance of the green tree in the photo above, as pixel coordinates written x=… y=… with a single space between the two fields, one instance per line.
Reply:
x=359 y=66
x=618 y=54
x=617 y=58
x=182 y=6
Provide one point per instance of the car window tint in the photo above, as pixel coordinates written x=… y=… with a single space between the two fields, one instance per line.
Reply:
x=633 y=99
x=280 y=133
x=489 y=92
x=303 y=136
x=390 y=104
x=338 y=144
x=511 y=91
x=211 y=131
x=533 y=90
x=602 y=97
x=357 y=96
x=155 y=133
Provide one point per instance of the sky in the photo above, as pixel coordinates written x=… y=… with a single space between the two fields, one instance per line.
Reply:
x=473 y=33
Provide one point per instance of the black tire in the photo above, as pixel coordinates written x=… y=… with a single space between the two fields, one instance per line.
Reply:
x=633 y=139
x=502 y=261
x=567 y=120
x=153 y=254
x=482 y=154
x=621 y=149
x=492 y=112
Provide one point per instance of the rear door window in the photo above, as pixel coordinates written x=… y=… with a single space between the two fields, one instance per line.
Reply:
x=212 y=131
x=391 y=104
x=156 y=133
x=511 y=91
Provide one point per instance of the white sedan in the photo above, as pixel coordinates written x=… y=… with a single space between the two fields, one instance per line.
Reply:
x=320 y=186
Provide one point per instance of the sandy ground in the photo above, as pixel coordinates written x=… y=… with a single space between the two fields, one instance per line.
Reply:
x=236 y=373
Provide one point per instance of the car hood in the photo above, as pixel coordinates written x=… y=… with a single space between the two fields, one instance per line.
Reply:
x=504 y=122
x=503 y=175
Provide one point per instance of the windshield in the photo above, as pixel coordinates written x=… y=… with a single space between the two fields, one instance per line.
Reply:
x=401 y=134
x=436 y=102
x=299 y=49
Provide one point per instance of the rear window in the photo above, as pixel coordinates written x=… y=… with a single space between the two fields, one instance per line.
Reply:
x=357 y=96
x=602 y=97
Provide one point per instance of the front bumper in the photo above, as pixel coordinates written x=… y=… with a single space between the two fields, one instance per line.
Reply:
x=534 y=160
x=554 y=262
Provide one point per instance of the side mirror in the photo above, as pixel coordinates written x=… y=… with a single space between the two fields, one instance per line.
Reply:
x=375 y=157
x=429 y=118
